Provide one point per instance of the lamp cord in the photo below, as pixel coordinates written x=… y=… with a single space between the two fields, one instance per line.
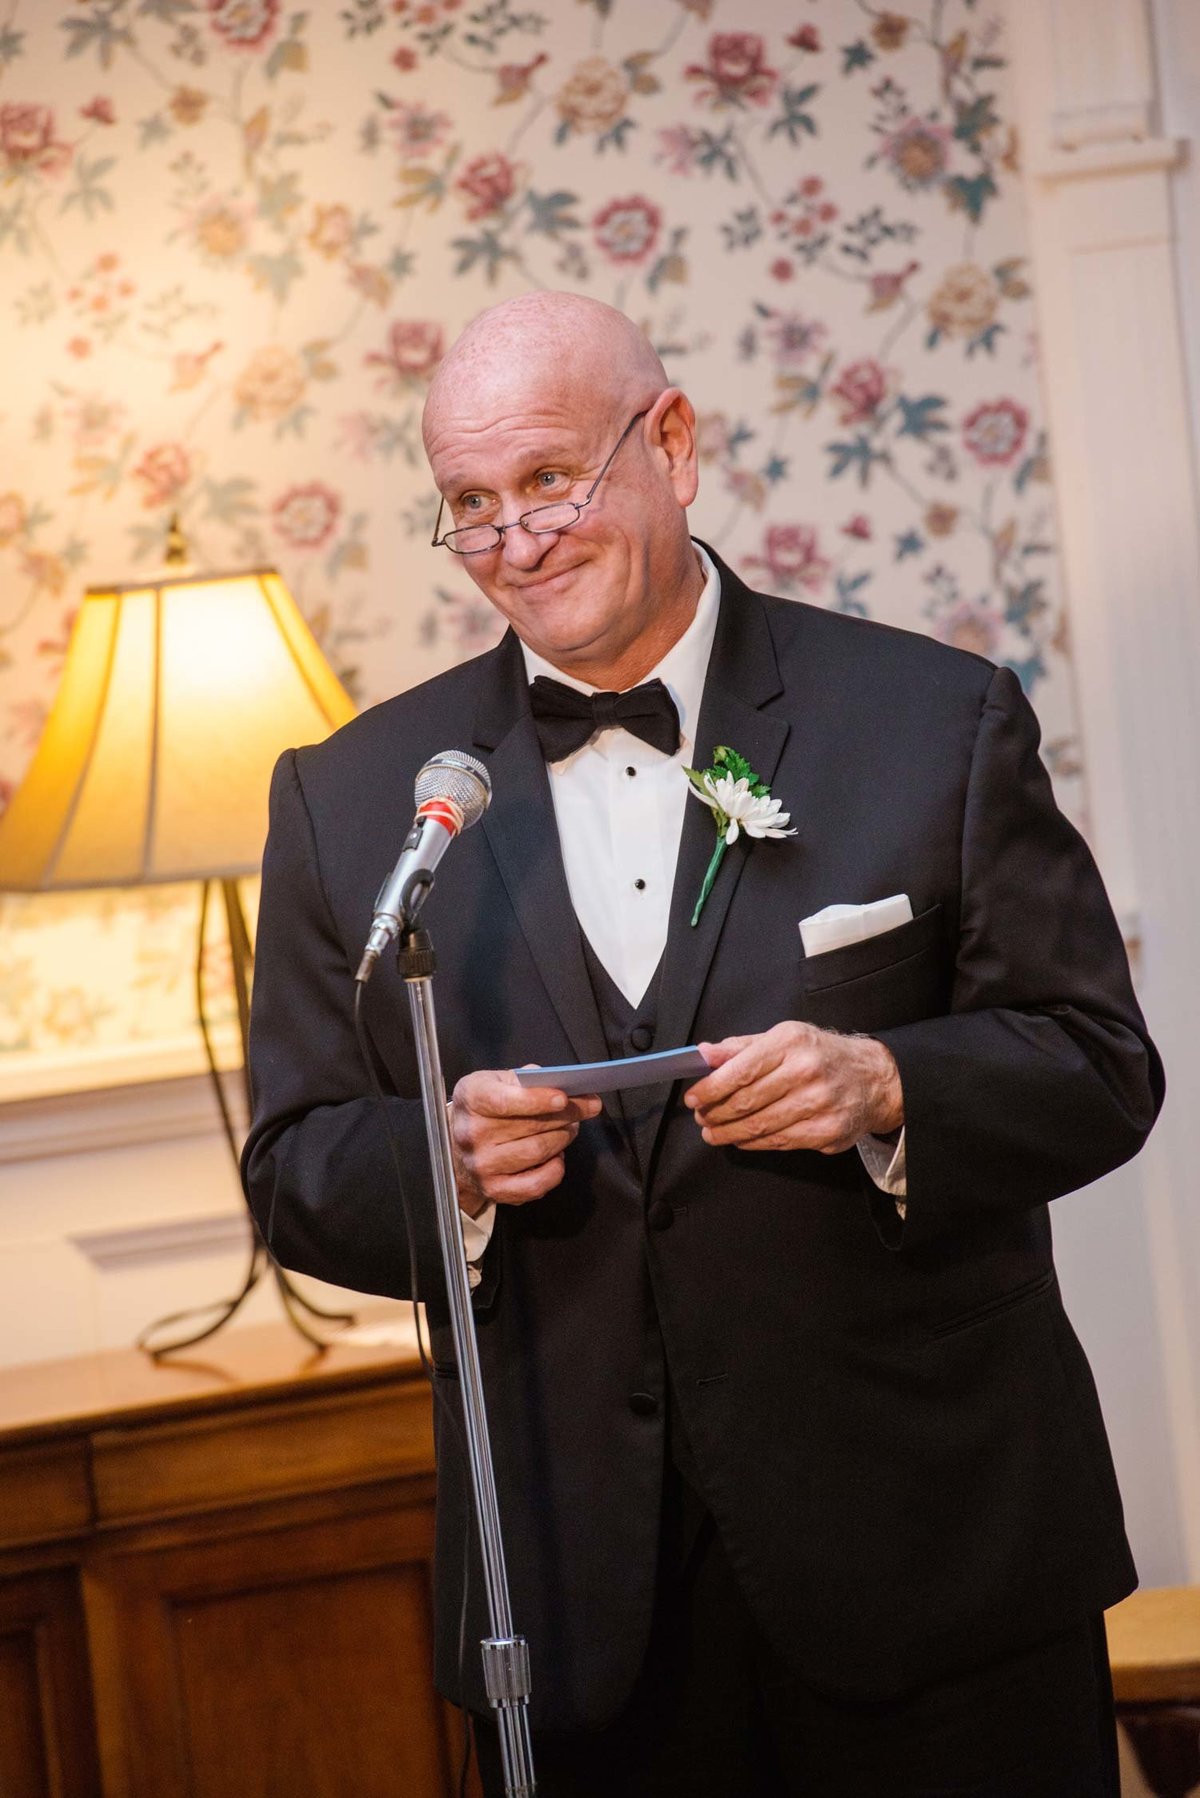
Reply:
x=293 y=1300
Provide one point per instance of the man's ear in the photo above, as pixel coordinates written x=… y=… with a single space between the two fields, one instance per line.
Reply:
x=672 y=424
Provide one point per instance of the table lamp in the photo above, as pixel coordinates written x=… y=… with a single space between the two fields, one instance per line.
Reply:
x=177 y=695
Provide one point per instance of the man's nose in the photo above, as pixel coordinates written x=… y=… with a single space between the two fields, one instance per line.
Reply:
x=525 y=549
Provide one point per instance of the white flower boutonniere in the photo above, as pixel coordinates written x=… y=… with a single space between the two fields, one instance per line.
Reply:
x=739 y=801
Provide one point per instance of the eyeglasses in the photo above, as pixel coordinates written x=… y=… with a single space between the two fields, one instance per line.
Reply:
x=473 y=539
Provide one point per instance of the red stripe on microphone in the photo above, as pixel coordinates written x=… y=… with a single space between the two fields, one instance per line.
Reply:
x=443 y=811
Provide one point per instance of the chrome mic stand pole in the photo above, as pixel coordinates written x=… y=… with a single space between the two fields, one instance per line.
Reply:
x=505 y=1655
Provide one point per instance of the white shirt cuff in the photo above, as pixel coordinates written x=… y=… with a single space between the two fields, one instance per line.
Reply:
x=888 y=1167
x=477 y=1233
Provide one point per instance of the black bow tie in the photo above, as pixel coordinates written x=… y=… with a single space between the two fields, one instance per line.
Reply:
x=565 y=718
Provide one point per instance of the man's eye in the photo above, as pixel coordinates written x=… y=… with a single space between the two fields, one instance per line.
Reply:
x=473 y=502
x=548 y=479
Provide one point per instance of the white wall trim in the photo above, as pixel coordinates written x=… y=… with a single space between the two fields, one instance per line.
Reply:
x=111 y=1117
x=181 y=1239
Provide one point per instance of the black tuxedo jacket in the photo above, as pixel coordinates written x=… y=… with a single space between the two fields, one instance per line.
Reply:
x=891 y=1421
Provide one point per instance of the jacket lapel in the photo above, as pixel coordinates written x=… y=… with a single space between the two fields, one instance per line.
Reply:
x=743 y=675
x=523 y=835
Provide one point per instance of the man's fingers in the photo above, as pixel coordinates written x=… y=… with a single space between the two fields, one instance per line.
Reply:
x=746 y=1100
x=534 y=1183
x=497 y=1093
x=498 y=1159
x=751 y=1057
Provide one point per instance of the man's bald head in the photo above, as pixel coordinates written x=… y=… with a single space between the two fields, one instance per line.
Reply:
x=592 y=348
x=557 y=400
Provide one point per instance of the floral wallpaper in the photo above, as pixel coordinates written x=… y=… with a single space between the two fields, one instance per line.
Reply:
x=237 y=235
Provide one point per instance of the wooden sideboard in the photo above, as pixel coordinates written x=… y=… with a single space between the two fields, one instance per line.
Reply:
x=215 y=1576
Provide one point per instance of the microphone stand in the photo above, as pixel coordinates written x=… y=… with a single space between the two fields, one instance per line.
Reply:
x=505 y=1655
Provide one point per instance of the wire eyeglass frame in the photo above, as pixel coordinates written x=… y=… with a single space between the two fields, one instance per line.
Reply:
x=561 y=508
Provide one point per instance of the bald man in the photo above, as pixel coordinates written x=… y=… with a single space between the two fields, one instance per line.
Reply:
x=803 y=1481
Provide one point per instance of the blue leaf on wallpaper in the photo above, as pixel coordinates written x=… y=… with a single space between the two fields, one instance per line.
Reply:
x=986 y=340
x=151 y=131
x=169 y=11
x=87 y=193
x=551 y=213
x=859 y=454
x=908 y=543
x=275 y=273
x=971 y=194
x=232 y=500
x=858 y=55
x=12 y=45
x=919 y=418
x=847 y=588
x=795 y=121
x=713 y=152
x=486 y=250
x=973 y=121
x=97 y=33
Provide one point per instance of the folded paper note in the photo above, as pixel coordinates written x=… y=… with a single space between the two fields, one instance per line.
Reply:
x=616 y=1076
x=838 y=925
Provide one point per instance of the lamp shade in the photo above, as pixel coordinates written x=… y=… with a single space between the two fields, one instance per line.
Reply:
x=176 y=698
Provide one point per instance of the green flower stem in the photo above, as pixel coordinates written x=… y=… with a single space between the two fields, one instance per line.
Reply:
x=709 y=877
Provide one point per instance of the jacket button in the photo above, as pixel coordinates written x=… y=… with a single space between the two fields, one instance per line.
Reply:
x=643 y=1404
x=660 y=1215
x=641 y=1036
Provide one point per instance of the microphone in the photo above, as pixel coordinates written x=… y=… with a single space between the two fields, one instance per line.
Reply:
x=452 y=792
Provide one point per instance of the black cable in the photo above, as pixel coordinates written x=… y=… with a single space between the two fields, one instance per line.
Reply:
x=439 y=1397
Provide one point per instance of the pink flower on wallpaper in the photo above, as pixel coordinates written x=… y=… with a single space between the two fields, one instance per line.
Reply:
x=677 y=146
x=487 y=181
x=781 y=269
x=27 y=139
x=919 y=153
x=859 y=526
x=806 y=37
x=736 y=71
x=306 y=516
x=164 y=471
x=791 y=558
x=971 y=625
x=47 y=571
x=513 y=79
x=627 y=230
x=793 y=338
x=414 y=349
x=13 y=513
x=712 y=436
x=995 y=432
x=101 y=110
x=244 y=24
x=416 y=129
x=860 y=390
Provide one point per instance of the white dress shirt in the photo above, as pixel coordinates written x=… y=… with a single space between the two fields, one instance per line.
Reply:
x=619 y=804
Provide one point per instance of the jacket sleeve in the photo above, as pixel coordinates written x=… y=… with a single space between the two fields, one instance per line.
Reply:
x=317 y=1165
x=1042 y=1077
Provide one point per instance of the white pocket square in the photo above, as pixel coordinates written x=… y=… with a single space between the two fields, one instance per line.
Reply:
x=838 y=925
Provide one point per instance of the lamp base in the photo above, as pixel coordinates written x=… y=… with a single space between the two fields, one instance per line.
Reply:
x=297 y=1308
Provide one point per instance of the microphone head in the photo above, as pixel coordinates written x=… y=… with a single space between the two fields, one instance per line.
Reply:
x=453 y=774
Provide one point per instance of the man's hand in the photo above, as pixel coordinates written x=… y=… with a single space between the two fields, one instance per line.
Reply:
x=797 y=1087
x=509 y=1140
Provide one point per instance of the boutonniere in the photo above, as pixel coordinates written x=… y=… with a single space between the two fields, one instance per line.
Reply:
x=739 y=801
